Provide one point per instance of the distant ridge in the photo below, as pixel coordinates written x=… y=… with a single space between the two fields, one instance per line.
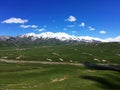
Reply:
x=61 y=36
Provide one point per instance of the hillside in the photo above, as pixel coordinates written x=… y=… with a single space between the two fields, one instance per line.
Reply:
x=79 y=52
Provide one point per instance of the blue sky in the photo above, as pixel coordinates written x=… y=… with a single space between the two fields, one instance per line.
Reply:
x=96 y=18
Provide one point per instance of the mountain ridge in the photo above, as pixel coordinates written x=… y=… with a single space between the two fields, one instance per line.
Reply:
x=58 y=36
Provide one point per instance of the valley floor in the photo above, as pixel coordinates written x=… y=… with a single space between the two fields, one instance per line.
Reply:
x=64 y=67
x=36 y=75
x=41 y=62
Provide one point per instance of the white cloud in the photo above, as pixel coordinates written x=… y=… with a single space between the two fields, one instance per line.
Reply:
x=102 y=32
x=41 y=29
x=34 y=26
x=82 y=24
x=71 y=19
x=91 y=28
x=28 y=26
x=15 y=21
x=24 y=26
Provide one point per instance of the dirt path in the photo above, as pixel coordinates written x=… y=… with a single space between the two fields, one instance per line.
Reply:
x=41 y=62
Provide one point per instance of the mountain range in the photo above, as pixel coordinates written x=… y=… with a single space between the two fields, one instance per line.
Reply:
x=51 y=37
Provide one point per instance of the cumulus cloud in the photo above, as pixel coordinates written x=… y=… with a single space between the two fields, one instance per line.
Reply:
x=15 y=21
x=34 y=26
x=91 y=28
x=102 y=32
x=24 y=26
x=82 y=24
x=28 y=26
x=41 y=29
x=71 y=19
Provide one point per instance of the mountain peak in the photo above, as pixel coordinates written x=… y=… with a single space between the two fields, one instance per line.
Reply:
x=28 y=35
x=60 y=36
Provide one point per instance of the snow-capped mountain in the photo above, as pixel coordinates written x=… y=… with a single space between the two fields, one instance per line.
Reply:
x=2 y=38
x=60 y=36
x=53 y=37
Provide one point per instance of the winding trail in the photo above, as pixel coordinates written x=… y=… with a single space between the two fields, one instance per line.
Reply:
x=41 y=62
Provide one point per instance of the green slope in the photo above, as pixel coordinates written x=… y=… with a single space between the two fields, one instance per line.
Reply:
x=89 y=52
x=56 y=77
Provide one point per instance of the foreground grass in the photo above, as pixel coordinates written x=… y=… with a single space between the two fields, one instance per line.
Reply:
x=56 y=77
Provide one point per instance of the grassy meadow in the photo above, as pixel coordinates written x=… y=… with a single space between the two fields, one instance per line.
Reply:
x=95 y=53
x=56 y=77
x=60 y=77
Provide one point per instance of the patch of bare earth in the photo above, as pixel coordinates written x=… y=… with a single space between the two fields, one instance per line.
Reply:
x=59 y=79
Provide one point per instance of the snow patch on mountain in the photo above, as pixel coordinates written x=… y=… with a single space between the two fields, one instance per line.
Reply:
x=4 y=37
x=61 y=36
x=116 y=39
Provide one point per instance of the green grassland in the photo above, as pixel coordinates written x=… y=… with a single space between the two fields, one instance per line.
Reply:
x=95 y=53
x=56 y=77
x=60 y=77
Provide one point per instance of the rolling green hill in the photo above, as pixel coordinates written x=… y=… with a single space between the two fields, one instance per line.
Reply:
x=82 y=52
x=56 y=77
x=36 y=76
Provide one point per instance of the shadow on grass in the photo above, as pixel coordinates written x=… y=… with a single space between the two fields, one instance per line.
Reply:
x=104 y=83
x=109 y=81
x=102 y=67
